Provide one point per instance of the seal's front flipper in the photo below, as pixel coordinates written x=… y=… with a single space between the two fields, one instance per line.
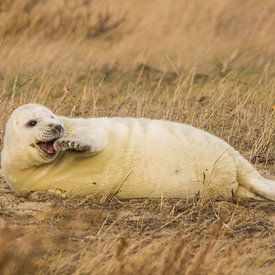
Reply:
x=72 y=144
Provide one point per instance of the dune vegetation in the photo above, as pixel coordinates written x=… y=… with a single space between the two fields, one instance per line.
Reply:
x=207 y=63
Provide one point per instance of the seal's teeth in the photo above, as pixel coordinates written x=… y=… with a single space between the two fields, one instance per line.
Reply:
x=47 y=147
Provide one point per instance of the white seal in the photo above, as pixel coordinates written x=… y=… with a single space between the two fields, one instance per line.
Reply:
x=131 y=157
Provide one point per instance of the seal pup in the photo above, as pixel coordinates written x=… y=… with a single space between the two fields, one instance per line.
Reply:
x=131 y=157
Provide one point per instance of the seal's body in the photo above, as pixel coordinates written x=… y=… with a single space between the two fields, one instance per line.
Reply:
x=131 y=157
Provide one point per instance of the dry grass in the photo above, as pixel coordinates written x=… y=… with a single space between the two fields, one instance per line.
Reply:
x=213 y=36
x=75 y=236
x=207 y=63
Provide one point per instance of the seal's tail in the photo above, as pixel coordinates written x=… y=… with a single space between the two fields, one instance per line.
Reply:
x=249 y=178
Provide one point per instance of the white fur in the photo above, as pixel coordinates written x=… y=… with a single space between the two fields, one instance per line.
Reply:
x=132 y=157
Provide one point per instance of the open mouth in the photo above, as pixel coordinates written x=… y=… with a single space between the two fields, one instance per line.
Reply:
x=47 y=147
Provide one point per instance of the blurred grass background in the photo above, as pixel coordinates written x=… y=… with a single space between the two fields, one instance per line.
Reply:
x=210 y=36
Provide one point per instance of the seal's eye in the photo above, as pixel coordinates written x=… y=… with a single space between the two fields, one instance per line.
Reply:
x=31 y=123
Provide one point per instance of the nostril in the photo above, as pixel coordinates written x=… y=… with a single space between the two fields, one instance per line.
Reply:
x=58 y=127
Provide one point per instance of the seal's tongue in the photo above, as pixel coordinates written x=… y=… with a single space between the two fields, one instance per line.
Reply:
x=47 y=147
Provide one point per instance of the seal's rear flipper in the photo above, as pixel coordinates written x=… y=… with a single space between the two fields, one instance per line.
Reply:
x=243 y=193
x=249 y=178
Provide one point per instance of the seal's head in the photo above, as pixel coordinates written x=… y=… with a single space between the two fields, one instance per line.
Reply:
x=32 y=130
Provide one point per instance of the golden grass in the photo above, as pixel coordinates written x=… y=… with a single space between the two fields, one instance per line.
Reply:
x=207 y=63
x=212 y=36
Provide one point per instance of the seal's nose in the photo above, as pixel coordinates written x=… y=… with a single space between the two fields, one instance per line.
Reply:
x=58 y=128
